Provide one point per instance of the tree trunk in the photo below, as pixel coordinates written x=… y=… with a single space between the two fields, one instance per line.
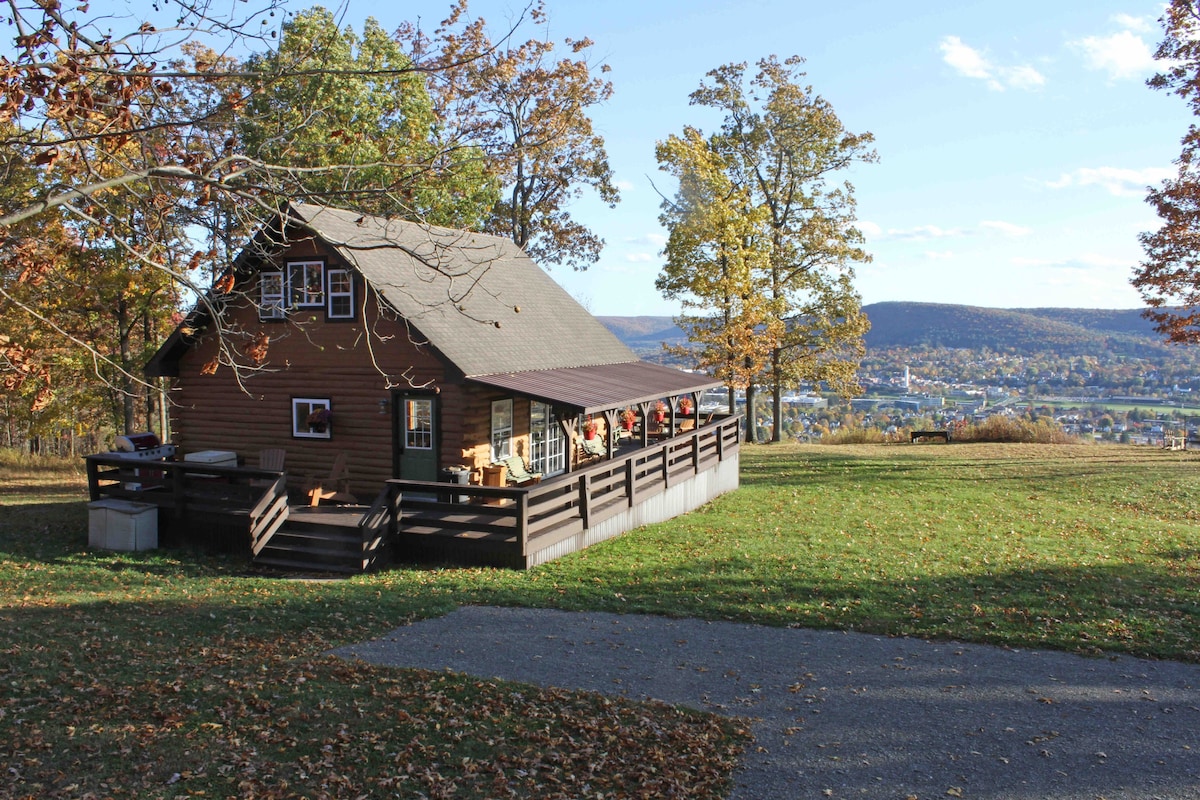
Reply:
x=124 y=382
x=777 y=396
x=751 y=423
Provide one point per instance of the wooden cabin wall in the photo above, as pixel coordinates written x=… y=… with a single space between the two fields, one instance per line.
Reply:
x=308 y=356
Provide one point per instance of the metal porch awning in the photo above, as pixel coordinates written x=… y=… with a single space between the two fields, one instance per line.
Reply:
x=600 y=388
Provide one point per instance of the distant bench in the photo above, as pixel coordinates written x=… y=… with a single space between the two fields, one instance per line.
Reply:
x=943 y=435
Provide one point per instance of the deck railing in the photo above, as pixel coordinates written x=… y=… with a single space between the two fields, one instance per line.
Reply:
x=516 y=522
x=218 y=506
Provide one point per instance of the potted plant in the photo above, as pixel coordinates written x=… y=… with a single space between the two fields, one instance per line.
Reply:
x=589 y=429
x=628 y=417
x=685 y=405
x=318 y=420
x=660 y=411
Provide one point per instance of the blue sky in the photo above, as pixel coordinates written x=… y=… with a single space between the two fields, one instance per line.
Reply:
x=1015 y=140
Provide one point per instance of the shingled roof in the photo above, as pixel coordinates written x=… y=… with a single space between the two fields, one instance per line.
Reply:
x=486 y=307
x=479 y=299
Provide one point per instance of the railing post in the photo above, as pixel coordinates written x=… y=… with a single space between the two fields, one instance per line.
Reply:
x=585 y=498
x=179 y=479
x=395 y=502
x=523 y=522
x=696 y=453
x=93 y=475
x=629 y=486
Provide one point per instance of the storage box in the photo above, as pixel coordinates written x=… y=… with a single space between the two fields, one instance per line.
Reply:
x=213 y=458
x=122 y=525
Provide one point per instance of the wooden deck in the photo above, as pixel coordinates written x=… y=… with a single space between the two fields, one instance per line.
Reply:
x=526 y=526
x=235 y=509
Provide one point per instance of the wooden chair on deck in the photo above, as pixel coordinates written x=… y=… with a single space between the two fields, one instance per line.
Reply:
x=335 y=487
x=519 y=473
x=272 y=458
x=590 y=450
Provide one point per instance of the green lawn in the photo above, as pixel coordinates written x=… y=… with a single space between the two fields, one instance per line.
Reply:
x=170 y=674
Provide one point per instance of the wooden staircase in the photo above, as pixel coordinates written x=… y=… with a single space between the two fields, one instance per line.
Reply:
x=342 y=540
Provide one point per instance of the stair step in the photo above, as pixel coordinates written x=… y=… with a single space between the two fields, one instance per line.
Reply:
x=335 y=553
x=303 y=539
x=309 y=566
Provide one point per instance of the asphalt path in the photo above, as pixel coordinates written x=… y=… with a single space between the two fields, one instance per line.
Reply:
x=855 y=715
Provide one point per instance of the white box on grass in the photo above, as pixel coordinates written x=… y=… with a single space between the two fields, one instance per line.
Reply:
x=122 y=525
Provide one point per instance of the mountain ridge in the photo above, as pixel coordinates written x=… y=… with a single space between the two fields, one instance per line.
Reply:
x=1078 y=331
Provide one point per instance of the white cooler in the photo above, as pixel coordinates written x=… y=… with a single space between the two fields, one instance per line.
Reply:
x=213 y=458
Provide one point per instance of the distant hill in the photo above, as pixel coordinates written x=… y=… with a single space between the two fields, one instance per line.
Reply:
x=1079 y=331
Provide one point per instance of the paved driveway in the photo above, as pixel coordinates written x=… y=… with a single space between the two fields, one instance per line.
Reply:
x=853 y=715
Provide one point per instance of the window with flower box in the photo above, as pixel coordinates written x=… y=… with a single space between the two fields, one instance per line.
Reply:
x=312 y=417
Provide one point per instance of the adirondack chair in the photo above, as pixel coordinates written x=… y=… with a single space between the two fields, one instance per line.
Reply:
x=335 y=487
x=518 y=472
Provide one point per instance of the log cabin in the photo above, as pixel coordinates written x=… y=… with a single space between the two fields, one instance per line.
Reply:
x=411 y=354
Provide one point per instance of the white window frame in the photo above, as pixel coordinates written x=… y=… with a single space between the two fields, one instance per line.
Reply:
x=547 y=441
x=301 y=408
x=302 y=284
x=331 y=295
x=271 y=303
x=502 y=429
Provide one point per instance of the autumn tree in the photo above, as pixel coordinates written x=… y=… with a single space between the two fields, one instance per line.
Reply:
x=781 y=145
x=358 y=124
x=135 y=126
x=528 y=110
x=717 y=260
x=1169 y=277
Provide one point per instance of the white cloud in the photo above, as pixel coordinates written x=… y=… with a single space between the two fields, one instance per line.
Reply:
x=972 y=63
x=1006 y=228
x=1115 y=180
x=639 y=258
x=1132 y=23
x=1122 y=55
x=923 y=232
x=967 y=61
x=653 y=239
x=1082 y=261
x=939 y=255
x=624 y=186
x=869 y=229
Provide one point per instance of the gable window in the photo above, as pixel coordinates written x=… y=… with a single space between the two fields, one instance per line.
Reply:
x=270 y=295
x=312 y=417
x=547 y=451
x=306 y=283
x=502 y=428
x=341 y=294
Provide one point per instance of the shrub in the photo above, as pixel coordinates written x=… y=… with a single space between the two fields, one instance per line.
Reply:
x=1011 y=429
x=846 y=435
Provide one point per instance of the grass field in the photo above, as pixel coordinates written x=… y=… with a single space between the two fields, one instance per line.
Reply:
x=172 y=674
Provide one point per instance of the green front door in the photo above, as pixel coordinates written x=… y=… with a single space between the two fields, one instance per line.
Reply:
x=415 y=419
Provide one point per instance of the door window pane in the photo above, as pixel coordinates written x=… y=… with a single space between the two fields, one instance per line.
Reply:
x=418 y=423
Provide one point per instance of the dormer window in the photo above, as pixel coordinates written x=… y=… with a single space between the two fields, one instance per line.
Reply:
x=270 y=295
x=341 y=294
x=306 y=283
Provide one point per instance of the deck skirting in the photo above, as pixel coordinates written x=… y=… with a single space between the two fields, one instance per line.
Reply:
x=675 y=500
